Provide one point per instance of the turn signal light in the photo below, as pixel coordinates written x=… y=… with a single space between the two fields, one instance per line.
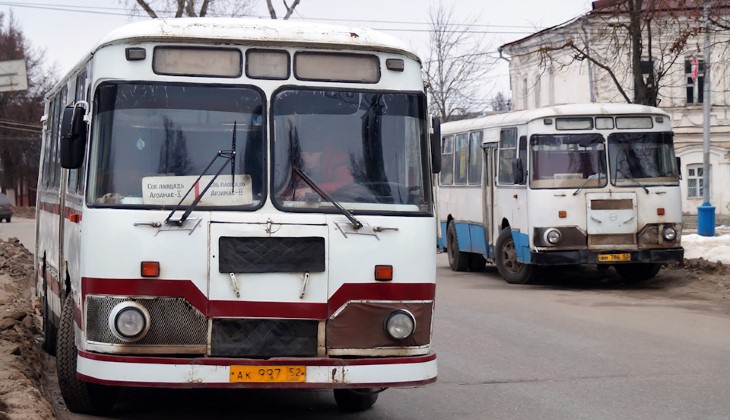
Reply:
x=660 y=211
x=383 y=272
x=150 y=269
x=562 y=214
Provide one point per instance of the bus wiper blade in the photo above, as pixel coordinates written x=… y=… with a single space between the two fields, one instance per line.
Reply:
x=636 y=183
x=355 y=223
x=586 y=183
x=228 y=155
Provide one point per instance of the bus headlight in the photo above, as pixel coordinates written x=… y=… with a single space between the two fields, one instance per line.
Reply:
x=553 y=236
x=400 y=325
x=670 y=233
x=129 y=321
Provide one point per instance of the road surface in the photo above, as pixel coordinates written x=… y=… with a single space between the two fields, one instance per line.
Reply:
x=562 y=349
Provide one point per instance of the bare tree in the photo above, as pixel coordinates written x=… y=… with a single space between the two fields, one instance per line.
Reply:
x=20 y=111
x=634 y=43
x=289 y=9
x=457 y=63
x=501 y=103
x=200 y=8
x=191 y=8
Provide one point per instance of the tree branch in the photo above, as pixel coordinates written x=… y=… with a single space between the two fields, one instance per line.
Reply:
x=146 y=7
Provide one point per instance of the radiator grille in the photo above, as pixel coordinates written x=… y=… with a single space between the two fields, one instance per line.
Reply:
x=264 y=338
x=174 y=321
x=618 y=239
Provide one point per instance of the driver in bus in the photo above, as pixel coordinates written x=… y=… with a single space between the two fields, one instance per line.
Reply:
x=328 y=167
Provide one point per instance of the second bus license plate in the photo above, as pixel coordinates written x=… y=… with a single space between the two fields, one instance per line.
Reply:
x=614 y=257
x=268 y=373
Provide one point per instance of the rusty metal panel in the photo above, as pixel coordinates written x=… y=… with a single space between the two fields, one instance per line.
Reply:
x=616 y=239
x=623 y=204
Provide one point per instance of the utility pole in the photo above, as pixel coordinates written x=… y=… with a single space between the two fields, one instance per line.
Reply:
x=706 y=212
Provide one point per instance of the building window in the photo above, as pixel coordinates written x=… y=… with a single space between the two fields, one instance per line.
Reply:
x=695 y=182
x=695 y=80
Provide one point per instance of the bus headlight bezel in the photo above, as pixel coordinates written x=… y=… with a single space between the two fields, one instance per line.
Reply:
x=400 y=324
x=669 y=233
x=552 y=236
x=129 y=321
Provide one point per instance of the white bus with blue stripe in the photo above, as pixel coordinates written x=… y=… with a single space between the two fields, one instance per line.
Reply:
x=561 y=185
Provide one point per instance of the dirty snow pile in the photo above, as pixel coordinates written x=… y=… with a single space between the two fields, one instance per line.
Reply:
x=713 y=248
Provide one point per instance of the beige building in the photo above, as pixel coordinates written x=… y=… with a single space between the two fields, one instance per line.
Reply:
x=544 y=71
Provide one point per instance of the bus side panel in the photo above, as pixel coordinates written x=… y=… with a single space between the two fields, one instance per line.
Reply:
x=522 y=245
x=478 y=244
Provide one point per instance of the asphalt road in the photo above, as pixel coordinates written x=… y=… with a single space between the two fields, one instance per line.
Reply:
x=560 y=350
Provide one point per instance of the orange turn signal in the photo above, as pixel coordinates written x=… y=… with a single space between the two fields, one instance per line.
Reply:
x=150 y=269
x=660 y=211
x=562 y=214
x=383 y=272
x=74 y=218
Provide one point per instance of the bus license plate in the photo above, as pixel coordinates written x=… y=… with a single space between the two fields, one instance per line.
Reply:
x=268 y=373
x=614 y=257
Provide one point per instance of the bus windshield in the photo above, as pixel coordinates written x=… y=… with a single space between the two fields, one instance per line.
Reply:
x=568 y=161
x=364 y=149
x=643 y=158
x=150 y=143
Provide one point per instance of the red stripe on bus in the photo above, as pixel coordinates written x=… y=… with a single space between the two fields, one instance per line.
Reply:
x=218 y=308
x=68 y=212
x=225 y=361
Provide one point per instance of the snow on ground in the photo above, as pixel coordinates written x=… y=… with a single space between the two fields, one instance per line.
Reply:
x=714 y=248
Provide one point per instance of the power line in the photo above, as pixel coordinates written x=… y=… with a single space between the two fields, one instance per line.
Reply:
x=20 y=123
x=8 y=127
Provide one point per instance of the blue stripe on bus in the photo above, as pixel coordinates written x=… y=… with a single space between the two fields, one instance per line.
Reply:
x=469 y=235
x=522 y=246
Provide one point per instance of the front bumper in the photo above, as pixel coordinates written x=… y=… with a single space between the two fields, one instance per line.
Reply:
x=168 y=372
x=585 y=256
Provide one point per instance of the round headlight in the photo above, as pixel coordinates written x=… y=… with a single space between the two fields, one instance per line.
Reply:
x=129 y=321
x=553 y=236
x=670 y=233
x=400 y=325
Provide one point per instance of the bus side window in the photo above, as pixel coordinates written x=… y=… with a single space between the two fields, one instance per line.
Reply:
x=475 y=157
x=461 y=158
x=446 y=176
x=507 y=152
x=522 y=153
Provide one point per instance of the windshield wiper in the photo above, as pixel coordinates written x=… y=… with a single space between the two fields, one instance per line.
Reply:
x=355 y=223
x=636 y=183
x=600 y=175
x=228 y=155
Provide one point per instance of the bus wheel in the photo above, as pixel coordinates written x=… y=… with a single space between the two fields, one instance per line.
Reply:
x=634 y=273
x=476 y=263
x=458 y=261
x=509 y=268
x=79 y=396
x=352 y=400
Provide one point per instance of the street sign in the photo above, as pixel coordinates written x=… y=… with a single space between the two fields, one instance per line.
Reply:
x=13 y=76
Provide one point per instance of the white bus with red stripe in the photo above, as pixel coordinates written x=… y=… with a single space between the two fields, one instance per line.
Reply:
x=188 y=236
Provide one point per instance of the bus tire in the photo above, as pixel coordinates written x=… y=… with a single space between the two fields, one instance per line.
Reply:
x=635 y=273
x=513 y=271
x=477 y=263
x=79 y=396
x=458 y=261
x=354 y=400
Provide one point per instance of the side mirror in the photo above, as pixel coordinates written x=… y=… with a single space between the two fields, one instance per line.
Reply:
x=679 y=167
x=436 y=145
x=518 y=171
x=73 y=137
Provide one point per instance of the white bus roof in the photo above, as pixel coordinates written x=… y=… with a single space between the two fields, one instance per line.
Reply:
x=523 y=117
x=256 y=32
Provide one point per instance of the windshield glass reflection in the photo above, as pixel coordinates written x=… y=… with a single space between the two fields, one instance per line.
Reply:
x=364 y=149
x=152 y=141
x=647 y=158
x=568 y=161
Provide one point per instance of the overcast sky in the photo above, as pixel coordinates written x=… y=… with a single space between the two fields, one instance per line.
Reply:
x=67 y=29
